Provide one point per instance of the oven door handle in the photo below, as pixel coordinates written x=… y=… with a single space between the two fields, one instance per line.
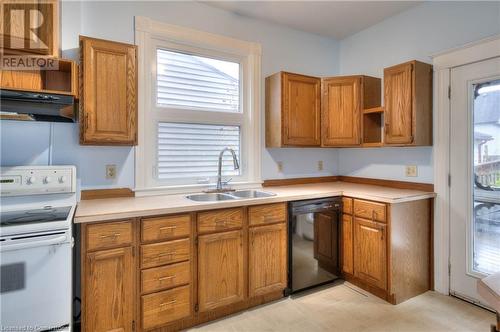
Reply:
x=60 y=239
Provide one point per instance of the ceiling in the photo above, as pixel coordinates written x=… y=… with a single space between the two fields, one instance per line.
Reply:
x=334 y=19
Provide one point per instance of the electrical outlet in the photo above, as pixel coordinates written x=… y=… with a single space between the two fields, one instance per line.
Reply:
x=110 y=172
x=320 y=165
x=411 y=170
x=279 y=164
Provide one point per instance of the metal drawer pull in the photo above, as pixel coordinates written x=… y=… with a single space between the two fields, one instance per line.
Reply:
x=171 y=228
x=361 y=211
x=167 y=303
x=219 y=222
x=166 y=278
x=110 y=236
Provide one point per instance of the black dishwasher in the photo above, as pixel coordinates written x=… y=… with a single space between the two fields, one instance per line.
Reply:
x=313 y=242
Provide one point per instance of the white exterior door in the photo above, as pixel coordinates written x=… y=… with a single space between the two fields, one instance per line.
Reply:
x=475 y=176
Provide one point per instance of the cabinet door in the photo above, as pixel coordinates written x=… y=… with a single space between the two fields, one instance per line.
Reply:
x=221 y=276
x=326 y=241
x=301 y=110
x=398 y=100
x=109 y=290
x=267 y=259
x=347 y=244
x=108 y=103
x=341 y=111
x=370 y=256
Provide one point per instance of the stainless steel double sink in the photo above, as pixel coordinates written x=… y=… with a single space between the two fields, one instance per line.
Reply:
x=227 y=196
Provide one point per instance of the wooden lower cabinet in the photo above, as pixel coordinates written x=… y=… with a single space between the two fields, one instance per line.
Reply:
x=347 y=244
x=388 y=254
x=167 y=273
x=370 y=252
x=221 y=270
x=267 y=266
x=109 y=294
x=133 y=279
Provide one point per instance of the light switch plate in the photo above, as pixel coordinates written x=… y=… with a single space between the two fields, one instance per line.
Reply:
x=411 y=170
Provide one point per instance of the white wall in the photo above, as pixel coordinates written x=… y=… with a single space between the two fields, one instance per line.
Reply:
x=414 y=34
x=282 y=49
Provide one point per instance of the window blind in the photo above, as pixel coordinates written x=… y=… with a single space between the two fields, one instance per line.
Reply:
x=192 y=150
x=189 y=81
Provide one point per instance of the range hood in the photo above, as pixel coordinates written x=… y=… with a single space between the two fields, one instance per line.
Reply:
x=34 y=106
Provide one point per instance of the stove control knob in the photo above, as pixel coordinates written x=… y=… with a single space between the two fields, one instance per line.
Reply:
x=31 y=180
x=47 y=179
x=62 y=179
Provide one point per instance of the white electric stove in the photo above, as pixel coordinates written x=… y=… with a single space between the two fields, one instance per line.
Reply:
x=37 y=204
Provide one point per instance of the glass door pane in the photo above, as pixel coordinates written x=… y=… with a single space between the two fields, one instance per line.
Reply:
x=486 y=200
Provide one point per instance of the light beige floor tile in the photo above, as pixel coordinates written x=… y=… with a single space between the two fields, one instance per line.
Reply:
x=344 y=307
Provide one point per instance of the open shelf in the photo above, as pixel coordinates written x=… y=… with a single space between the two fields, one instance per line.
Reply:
x=63 y=81
x=372 y=127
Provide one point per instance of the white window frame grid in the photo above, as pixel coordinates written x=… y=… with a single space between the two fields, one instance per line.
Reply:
x=150 y=36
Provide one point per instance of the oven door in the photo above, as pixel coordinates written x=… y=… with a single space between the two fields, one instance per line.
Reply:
x=35 y=292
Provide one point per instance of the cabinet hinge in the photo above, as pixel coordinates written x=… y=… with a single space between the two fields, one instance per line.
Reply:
x=133 y=325
x=449 y=269
x=449 y=180
x=196 y=241
x=196 y=307
x=449 y=91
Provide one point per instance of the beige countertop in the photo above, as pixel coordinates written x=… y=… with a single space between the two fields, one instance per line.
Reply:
x=129 y=207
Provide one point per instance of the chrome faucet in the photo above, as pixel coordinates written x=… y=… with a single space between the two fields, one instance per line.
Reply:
x=219 y=170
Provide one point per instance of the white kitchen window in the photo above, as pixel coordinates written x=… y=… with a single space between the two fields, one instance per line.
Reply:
x=198 y=94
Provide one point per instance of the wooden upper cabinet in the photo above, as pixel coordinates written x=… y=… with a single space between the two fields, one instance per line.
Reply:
x=108 y=102
x=221 y=271
x=109 y=290
x=267 y=266
x=408 y=104
x=17 y=35
x=293 y=107
x=370 y=252
x=343 y=100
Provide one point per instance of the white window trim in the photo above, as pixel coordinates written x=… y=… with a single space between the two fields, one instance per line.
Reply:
x=148 y=33
x=443 y=62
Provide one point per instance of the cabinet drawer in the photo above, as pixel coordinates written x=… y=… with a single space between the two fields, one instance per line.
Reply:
x=165 y=307
x=165 y=228
x=160 y=278
x=267 y=214
x=165 y=253
x=220 y=220
x=347 y=205
x=108 y=235
x=369 y=210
